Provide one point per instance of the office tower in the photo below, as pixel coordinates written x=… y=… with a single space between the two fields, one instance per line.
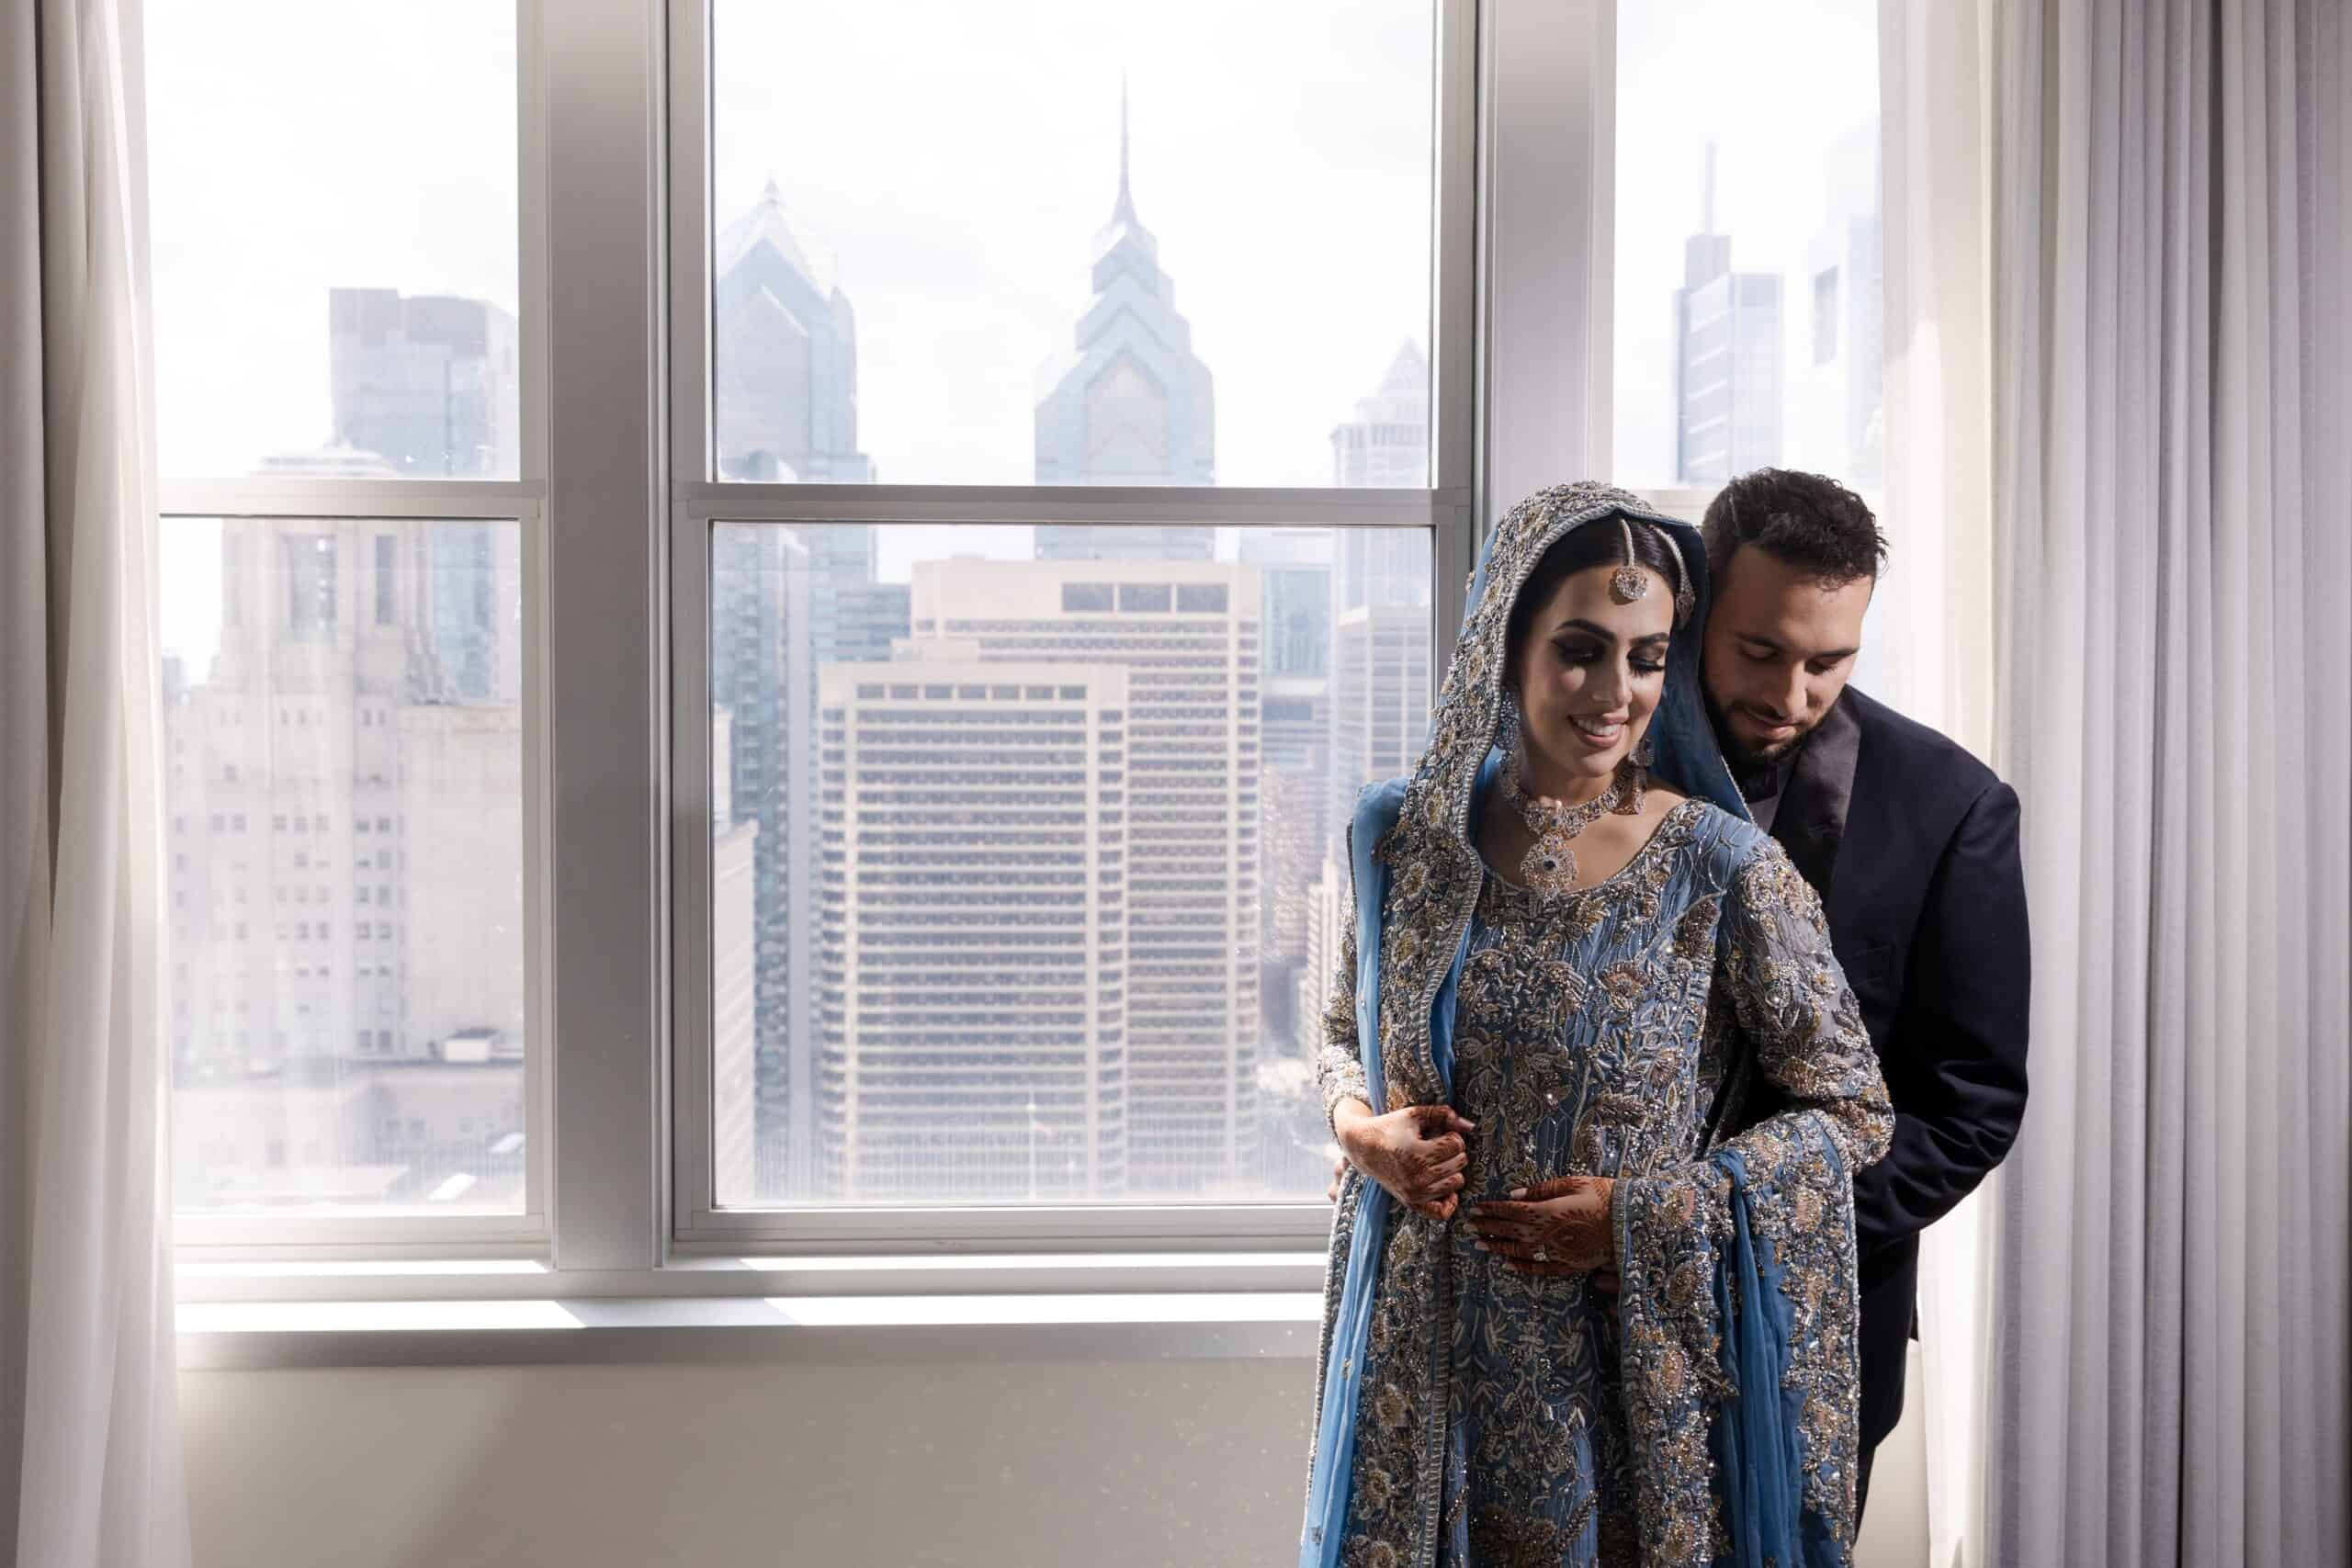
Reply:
x=787 y=600
x=346 y=981
x=1387 y=445
x=1129 y=404
x=1837 y=406
x=973 y=928
x=1188 y=636
x=868 y=620
x=430 y=383
x=734 y=975
x=1727 y=359
x=784 y=355
x=762 y=677
x=1380 y=699
x=1297 y=567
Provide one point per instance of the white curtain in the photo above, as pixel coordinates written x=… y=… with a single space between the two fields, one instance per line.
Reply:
x=1935 y=195
x=2172 y=500
x=90 y=1468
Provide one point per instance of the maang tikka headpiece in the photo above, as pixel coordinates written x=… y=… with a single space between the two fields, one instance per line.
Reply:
x=1628 y=584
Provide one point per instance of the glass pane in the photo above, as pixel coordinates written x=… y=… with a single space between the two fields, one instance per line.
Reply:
x=1748 y=326
x=1074 y=241
x=333 y=192
x=344 y=737
x=1027 y=870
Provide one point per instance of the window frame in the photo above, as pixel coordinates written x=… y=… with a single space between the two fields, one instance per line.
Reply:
x=697 y=502
x=616 y=721
x=408 y=503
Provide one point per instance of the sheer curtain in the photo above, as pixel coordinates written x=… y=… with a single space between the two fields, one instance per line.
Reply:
x=2173 y=511
x=90 y=1473
x=1934 y=157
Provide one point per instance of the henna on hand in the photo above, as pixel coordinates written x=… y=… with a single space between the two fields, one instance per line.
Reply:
x=1419 y=1154
x=1557 y=1228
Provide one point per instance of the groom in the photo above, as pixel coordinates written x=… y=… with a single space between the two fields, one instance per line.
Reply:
x=1912 y=844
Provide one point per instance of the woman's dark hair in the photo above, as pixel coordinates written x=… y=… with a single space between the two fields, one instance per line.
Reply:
x=1807 y=521
x=1581 y=550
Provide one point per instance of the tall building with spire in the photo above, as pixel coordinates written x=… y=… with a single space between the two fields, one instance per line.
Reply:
x=1128 y=403
x=1727 y=359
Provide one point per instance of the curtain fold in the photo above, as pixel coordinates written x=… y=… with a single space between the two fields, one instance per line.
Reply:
x=90 y=1466
x=2171 y=505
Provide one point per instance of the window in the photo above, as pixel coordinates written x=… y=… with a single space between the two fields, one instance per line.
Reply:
x=386 y=547
x=309 y=576
x=953 y=456
x=1128 y=262
x=1020 y=875
x=339 y=306
x=335 y=273
x=920 y=990
x=1730 y=218
x=465 y=969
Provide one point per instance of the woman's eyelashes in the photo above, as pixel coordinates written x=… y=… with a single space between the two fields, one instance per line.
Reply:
x=1643 y=662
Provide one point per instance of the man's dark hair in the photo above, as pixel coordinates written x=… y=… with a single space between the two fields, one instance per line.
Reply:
x=1807 y=521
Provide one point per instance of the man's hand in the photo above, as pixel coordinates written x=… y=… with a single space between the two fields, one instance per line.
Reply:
x=1552 y=1229
x=1339 y=1177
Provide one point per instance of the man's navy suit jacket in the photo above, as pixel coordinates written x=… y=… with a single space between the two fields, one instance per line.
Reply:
x=1912 y=844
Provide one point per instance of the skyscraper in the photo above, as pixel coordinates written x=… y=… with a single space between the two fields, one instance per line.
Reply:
x=1129 y=404
x=345 y=983
x=1837 y=404
x=430 y=383
x=1387 y=445
x=1187 y=635
x=973 y=929
x=762 y=678
x=1727 y=359
x=785 y=356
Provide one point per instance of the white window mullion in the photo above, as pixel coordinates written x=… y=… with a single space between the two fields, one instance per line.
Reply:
x=602 y=77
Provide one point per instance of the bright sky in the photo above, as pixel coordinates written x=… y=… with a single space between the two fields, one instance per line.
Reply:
x=954 y=159
x=1775 y=84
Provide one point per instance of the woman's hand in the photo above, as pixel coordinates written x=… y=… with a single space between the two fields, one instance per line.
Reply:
x=1556 y=1227
x=1417 y=1153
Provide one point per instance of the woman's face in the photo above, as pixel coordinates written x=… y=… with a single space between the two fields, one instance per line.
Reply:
x=1589 y=677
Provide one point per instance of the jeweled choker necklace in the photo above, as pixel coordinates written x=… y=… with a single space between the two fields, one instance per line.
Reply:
x=1549 y=866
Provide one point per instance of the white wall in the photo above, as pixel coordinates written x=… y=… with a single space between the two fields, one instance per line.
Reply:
x=1034 y=1464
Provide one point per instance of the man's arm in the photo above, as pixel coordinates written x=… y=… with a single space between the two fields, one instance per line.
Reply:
x=1956 y=1064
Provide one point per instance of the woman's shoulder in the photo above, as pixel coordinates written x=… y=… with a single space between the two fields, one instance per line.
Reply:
x=1724 y=843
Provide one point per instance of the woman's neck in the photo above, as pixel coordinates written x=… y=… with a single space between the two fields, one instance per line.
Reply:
x=1541 y=779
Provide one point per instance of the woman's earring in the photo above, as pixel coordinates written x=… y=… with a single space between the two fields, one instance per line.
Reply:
x=1646 y=754
x=1507 y=730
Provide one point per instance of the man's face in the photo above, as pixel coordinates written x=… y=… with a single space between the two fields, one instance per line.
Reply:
x=1779 y=647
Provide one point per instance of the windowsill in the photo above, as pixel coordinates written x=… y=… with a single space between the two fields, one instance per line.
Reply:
x=1096 y=1325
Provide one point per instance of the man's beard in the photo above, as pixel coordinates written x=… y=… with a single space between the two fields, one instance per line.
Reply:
x=1746 y=758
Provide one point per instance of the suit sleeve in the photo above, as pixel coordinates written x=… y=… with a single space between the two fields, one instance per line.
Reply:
x=1956 y=1063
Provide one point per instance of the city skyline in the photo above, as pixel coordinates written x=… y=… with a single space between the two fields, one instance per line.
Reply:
x=1222 y=747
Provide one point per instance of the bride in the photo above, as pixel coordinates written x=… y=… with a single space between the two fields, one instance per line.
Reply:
x=1569 y=1317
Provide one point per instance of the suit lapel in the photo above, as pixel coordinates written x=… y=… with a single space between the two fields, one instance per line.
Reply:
x=1810 y=821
